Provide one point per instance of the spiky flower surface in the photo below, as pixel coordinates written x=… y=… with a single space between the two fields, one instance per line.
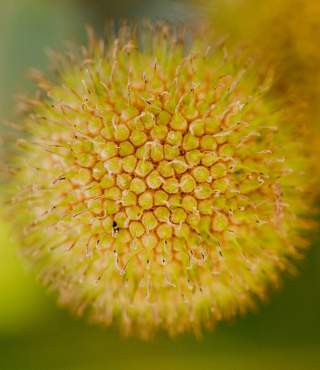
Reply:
x=156 y=186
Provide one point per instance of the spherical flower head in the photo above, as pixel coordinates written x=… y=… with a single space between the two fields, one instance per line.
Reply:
x=156 y=185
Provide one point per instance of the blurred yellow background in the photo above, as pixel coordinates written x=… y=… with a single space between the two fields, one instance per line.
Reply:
x=35 y=335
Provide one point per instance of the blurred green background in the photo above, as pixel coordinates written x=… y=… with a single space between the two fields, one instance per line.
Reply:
x=284 y=334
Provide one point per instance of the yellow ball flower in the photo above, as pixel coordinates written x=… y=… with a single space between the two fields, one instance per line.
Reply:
x=156 y=186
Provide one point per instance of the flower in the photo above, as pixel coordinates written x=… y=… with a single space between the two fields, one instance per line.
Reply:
x=157 y=185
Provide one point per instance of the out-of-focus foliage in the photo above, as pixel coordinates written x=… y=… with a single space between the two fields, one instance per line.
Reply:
x=28 y=29
x=22 y=304
x=286 y=32
x=136 y=10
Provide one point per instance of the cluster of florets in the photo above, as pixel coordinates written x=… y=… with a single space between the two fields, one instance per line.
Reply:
x=152 y=187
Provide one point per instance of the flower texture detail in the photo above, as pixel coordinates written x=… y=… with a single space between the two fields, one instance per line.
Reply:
x=156 y=185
